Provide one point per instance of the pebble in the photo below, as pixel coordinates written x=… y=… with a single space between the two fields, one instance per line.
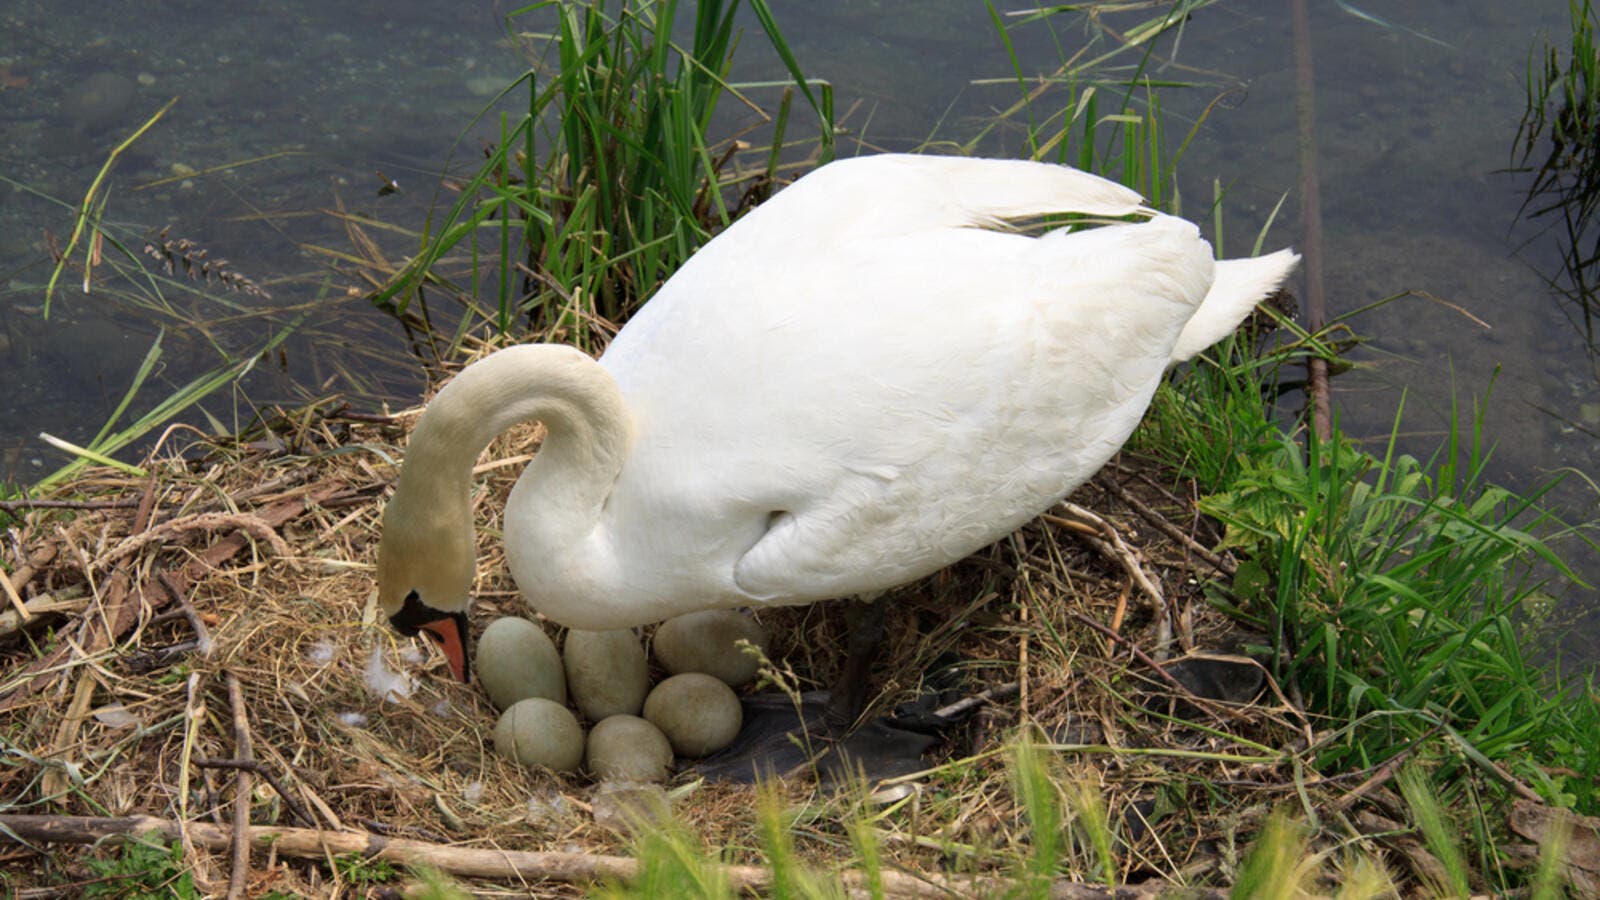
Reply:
x=624 y=807
x=516 y=661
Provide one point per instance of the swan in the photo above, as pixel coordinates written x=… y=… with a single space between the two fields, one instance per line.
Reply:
x=865 y=379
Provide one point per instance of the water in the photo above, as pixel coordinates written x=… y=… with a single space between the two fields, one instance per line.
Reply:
x=305 y=104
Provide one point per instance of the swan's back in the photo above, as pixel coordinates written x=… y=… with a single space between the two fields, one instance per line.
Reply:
x=867 y=378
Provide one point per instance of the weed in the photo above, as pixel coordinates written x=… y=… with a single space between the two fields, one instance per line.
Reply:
x=142 y=870
x=358 y=870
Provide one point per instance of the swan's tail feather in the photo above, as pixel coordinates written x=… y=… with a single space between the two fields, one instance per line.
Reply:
x=1236 y=287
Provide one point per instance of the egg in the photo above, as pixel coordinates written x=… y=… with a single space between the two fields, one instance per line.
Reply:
x=708 y=642
x=627 y=748
x=606 y=672
x=517 y=660
x=540 y=732
x=699 y=714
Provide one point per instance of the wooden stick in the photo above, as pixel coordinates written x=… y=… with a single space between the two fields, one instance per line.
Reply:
x=1111 y=545
x=201 y=632
x=514 y=865
x=239 y=874
x=68 y=601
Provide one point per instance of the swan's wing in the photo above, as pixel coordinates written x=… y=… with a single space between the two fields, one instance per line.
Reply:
x=859 y=383
x=1007 y=391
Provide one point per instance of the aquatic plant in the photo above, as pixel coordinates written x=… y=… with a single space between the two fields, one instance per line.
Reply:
x=1562 y=124
x=609 y=181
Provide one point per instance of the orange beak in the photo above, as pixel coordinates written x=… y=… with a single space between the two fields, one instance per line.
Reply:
x=450 y=635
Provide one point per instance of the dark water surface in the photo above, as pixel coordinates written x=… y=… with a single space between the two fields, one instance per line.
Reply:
x=290 y=109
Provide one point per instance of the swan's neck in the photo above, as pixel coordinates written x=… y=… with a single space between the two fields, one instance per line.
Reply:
x=588 y=434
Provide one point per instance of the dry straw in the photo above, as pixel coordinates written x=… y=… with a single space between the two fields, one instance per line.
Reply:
x=192 y=647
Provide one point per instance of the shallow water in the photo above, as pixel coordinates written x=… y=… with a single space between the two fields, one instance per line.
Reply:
x=303 y=107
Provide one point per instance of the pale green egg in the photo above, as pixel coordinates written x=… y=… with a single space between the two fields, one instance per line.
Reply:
x=540 y=732
x=606 y=672
x=709 y=642
x=699 y=714
x=517 y=660
x=628 y=748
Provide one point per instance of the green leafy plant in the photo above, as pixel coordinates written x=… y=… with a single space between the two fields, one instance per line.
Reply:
x=1391 y=589
x=358 y=870
x=142 y=869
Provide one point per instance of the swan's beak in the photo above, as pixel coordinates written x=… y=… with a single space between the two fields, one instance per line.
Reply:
x=450 y=633
x=448 y=630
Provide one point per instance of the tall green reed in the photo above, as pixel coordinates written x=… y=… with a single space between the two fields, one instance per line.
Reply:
x=1560 y=129
x=607 y=181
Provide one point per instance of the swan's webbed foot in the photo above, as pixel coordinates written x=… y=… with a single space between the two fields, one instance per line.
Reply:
x=782 y=737
x=820 y=731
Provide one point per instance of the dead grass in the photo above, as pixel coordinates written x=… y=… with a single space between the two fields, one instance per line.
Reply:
x=113 y=706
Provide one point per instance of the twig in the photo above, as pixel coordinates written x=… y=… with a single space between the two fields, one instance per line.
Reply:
x=157 y=657
x=253 y=525
x=1378 y=778
x=1110 y=544
x=1167 y=527
x=387 y=830
x=18 y=607
x=257 y=768
x=369 y=418
x=518 y=865
x=18 y=581
x=201 y=632
x=242 y=787
x=990 y=695
x=45 y=605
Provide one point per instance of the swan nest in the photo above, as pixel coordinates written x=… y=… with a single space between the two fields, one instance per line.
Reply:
x=219 y=610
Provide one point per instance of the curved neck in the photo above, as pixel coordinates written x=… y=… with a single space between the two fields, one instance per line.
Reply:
x=587 y=425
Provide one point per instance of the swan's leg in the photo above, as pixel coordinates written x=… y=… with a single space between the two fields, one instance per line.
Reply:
x=863 y=622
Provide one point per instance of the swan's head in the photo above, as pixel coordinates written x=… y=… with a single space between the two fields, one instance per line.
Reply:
x=425 y=569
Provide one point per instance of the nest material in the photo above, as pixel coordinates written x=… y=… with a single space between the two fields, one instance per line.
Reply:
x=233 y=564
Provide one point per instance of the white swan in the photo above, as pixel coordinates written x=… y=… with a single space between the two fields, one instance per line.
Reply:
x=863 y=380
